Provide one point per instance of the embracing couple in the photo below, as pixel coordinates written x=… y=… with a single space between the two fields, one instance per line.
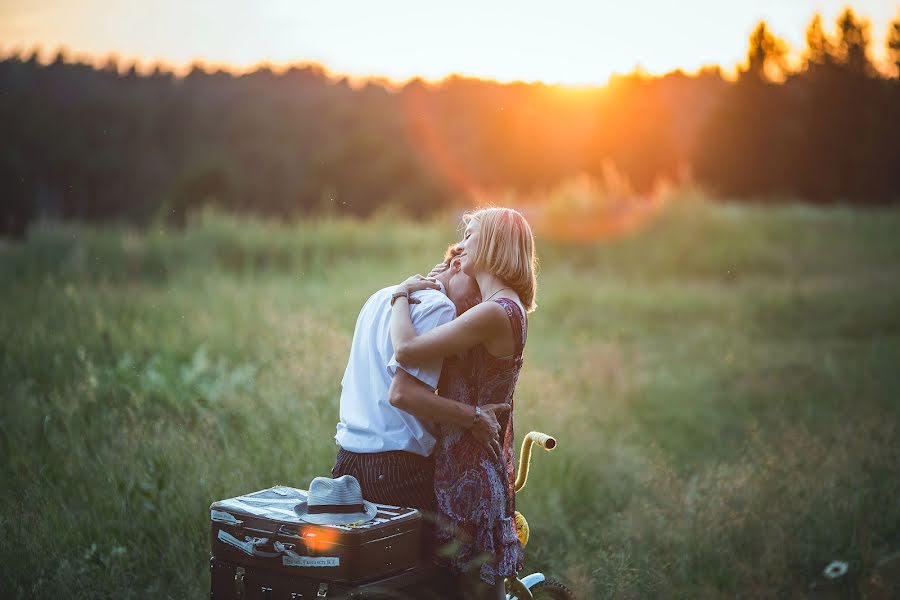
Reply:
x=427 y=396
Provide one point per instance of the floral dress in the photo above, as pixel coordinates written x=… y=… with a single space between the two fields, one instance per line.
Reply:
x=475 y=494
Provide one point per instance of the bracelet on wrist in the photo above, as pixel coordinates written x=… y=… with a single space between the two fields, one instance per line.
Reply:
x=396 y=295
x=406 y=295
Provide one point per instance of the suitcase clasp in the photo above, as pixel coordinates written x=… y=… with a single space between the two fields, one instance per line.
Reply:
x=323 y=591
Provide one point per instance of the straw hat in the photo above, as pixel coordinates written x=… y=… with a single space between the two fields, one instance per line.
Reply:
x=335 y=502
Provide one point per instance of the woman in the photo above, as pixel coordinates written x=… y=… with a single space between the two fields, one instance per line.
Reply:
x=482 y=352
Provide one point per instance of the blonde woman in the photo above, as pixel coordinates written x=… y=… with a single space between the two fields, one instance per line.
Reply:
x=482 y=352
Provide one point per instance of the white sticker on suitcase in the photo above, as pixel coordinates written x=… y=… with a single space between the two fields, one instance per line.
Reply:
x=221 y=516
x=291 y=559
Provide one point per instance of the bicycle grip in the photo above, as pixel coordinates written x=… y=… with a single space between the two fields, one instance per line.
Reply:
x=547 y=442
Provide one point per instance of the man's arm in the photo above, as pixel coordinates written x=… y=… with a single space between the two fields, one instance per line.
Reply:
x=411 y=395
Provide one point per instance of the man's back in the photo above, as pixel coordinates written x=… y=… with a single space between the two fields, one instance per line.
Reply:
x=368 y=422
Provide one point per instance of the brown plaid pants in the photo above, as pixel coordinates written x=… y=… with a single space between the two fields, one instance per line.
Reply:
x=395 y=477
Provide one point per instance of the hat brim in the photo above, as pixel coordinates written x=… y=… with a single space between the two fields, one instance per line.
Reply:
x=302 y=511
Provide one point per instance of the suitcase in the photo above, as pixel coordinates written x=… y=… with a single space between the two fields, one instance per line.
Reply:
x=262 y=531
x=229 y=581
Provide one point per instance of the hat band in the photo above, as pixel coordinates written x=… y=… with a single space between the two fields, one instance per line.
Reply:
x=319 y=509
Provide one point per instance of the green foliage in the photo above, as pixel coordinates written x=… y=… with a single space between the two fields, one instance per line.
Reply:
x=722 y=383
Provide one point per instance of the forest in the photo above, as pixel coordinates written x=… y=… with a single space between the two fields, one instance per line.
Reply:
x=110 y=142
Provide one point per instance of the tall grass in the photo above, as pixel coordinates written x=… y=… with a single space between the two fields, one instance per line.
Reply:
x=723 y=383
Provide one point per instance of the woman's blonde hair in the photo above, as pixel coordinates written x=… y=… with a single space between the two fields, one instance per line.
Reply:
x=506 y=249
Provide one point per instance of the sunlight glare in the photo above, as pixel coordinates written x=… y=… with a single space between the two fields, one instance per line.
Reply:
x=567 y=42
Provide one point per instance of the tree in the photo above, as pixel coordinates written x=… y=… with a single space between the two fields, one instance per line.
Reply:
x=819 y=48
x=853 y=43
x=893 y=45
x=766 y=55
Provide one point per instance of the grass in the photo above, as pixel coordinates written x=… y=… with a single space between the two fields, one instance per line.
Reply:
x=723 y=383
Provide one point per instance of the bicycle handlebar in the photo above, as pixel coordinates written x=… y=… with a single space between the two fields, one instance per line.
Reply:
x=543 y=440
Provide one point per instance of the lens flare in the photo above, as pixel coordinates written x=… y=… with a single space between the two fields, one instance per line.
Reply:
x=585 y=208
x=319 y=539
x=426 y=136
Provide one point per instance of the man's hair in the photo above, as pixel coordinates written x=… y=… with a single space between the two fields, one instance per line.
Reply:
x=506 y=249
x=453 y=250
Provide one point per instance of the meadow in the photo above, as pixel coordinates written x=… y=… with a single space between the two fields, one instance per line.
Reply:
x=724 y=383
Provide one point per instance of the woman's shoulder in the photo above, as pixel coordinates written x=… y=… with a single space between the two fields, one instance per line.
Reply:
x=512 y=307
x=487 y=311
x=493 y=318
x=517 y=316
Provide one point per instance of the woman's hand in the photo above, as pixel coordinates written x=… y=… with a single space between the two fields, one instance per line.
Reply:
x=486 y=429
x=417 y=283
x=439 y=268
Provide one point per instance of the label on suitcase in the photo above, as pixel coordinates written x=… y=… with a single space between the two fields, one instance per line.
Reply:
x=262 y=530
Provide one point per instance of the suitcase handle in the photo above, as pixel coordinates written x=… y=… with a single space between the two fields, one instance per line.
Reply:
x=250 y=546
x=288 y=551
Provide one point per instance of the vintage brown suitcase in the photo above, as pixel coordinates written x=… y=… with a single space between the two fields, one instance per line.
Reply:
x=229 y=581
x=261 y=530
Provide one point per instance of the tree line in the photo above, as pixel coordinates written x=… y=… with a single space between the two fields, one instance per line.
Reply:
x=829 y=131
x=108 y=143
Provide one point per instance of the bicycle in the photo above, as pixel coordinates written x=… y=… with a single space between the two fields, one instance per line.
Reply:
x=535 y=586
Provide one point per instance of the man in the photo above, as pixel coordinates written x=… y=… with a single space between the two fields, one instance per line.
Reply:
x=388 y=449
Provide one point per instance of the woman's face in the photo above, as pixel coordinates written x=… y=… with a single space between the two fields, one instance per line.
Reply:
x=468 y=245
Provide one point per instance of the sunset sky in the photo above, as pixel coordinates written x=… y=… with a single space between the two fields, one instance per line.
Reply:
x=556 y=42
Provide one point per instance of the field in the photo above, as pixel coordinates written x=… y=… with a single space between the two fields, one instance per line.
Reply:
x=724 y=384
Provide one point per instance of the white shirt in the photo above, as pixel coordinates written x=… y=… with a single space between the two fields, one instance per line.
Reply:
x=368 y=421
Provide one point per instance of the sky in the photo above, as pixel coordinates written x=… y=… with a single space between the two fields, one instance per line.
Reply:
x=558 y=41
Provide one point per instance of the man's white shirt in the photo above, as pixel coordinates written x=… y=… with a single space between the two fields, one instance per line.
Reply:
x=369 y=423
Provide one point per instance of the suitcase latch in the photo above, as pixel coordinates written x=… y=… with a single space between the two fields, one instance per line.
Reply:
x=323 y=591
x=239 y=583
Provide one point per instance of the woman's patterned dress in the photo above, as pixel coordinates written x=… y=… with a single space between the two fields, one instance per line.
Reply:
x=475 y=495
